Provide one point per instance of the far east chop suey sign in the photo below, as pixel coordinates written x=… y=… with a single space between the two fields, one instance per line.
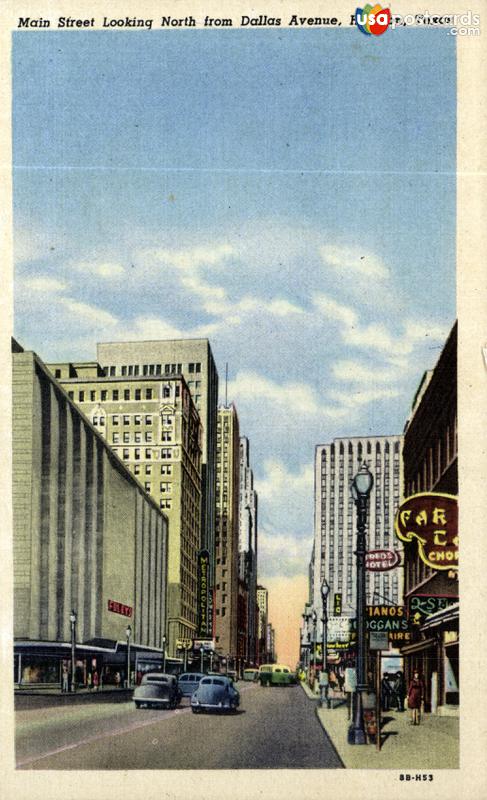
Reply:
x=431 y=520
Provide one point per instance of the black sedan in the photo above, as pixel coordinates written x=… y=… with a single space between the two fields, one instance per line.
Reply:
x=157 y=691
x=215 y=694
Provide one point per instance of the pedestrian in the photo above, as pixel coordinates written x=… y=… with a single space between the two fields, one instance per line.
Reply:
x=65 y=680
x=117 y=680
x=385 y=692
x=96 y=680
x=400 y=690
x=415 y=697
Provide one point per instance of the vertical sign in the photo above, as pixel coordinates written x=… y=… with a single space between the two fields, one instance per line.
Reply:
x=204 y=617
x=337 y=605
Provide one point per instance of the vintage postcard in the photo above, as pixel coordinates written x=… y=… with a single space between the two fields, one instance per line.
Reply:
x=245 y=405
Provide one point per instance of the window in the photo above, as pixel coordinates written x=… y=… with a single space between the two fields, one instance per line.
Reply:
x=148 y=452
x=131 y=370
x=148 y=436
x=112 y=370
x=166 y=469
x=126 y=394
x=126 y=452
x=92 y=396
x=71 y=395
x=166 y=391
x=124 y=370
x=166 y=436
x=115 y=419
x=57 y=373
x=138 y=436
x=126 y=419
x=136 y=469
x=148 y=394
x=95 y=420
x=147 y=486
x=126 y=438
x=137 y=419
x=115 y=394
x=166 y=453
x=81 y=397
x=102 y=420
x=136 y=369
x=178 y=391
x=148 y=419
x=148 y=469
x=103 y=395
x=116 y=438
x=137 y=394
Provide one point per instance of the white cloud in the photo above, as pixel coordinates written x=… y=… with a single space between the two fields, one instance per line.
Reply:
x=355 y=261
x=101 y=269
x=43 y=284
x=291 y=397
x=83 y=313
x=192 y=257
x=350 y=371
x=336 y=311
x=282 y=554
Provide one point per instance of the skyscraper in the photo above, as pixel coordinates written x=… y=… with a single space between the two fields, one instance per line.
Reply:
x=227 y=527
x=248 y=544
x=335 y=520
x=193 y=359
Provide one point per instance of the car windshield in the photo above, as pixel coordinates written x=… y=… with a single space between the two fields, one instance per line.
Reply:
x=206 y=681
x=218 y=682
x=157 y=679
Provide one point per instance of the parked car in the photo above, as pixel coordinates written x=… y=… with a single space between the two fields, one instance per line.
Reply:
x=232 y=674
x=275 y=675
x=215 y=693
x=189 y=682
x=251 y=674
x=157 y=690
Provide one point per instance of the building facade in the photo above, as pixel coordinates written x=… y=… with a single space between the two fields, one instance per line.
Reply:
x=87 y=538
x=152 y=424
x=227 y=530
x=262 y=620
x=193 y=359
x=248 y=551
x=431 y=465
x=335 y=528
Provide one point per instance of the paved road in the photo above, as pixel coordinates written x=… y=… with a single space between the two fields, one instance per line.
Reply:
x=275 y=728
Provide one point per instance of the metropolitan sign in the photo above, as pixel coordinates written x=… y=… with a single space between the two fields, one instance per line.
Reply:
x=431 y=520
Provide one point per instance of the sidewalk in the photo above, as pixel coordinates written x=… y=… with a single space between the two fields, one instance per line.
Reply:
x=432 y=745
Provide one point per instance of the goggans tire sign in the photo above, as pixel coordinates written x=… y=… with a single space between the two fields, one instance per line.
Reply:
x=431 y=520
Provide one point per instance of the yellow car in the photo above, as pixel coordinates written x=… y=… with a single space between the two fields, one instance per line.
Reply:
x=275 y=675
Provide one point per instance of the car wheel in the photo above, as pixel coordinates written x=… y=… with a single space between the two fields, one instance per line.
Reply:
x=195 y=710
x=137 y=705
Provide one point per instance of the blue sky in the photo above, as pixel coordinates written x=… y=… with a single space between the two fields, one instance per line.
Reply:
x=289 y=194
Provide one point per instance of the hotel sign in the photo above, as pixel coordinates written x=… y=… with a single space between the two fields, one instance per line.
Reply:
x=431 y=519
x=382 y=560
x=119 y=608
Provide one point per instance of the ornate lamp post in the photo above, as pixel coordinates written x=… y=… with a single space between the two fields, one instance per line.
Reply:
x=306 y=617
x=325 y=589
x=164 y=653
x=72 y=619
x=361 y=488
x=128 y=634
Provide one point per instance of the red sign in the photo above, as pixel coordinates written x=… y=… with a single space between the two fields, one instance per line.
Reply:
x=382 y=560
x=119 y=608
x=431 y=519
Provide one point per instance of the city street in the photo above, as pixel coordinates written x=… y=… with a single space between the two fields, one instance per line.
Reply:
x=274 y=728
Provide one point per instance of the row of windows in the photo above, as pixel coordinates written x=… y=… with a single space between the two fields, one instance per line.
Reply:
x=136 y=419
x=149 y=453
x=116 y=394
x=166 y=436
x=166 y=469
x=152 y=369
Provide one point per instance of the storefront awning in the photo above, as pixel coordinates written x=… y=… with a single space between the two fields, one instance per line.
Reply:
x=417 y=646
x=443 y=617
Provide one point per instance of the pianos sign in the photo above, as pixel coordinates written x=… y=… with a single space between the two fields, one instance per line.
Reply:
x=382 y=560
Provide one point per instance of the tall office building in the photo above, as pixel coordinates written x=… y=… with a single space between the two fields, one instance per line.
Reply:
x=262 y=619
x=248 y=536
x=335 y=520
x=152 y=424
x=194 y=360
x=227 y=528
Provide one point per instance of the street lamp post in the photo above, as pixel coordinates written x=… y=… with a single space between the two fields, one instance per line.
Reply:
x=128 y=634
x=325 y=589
x=361 y=488
x=164 y=653
x=72 y=619
x=314 y=619
x=202 y=651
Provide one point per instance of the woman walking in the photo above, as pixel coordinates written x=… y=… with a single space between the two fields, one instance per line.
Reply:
x=415 y=697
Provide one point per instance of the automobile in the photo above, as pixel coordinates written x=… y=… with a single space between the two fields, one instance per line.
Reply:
x=157 y=690
x=215 y=693
x=250 y=674
x=275 y=675
x=232 y=674
x=189 y=682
